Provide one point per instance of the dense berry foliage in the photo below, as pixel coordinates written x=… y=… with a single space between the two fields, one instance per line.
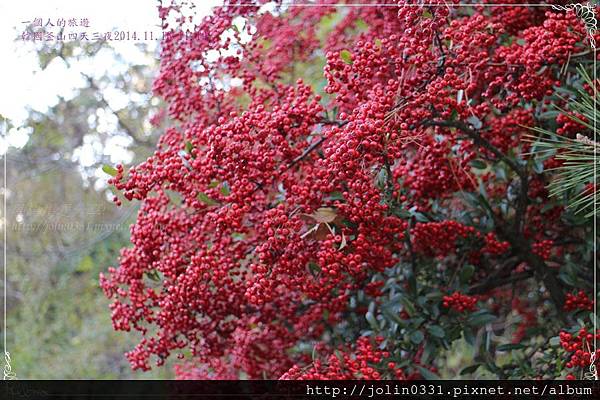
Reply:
x=349 y=192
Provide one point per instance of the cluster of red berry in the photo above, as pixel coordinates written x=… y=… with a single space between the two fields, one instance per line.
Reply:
x=460 y=302
x=579 y=347
x=579 y=301
x=543 y=248
x=494 y=246
x=439 y=238
x=365 y=362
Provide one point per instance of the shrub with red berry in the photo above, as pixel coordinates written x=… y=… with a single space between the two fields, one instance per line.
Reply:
x=349 y=192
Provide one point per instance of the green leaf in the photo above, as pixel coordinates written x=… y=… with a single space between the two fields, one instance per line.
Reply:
x=417 y=321
x=501 y=173
x=427 y=14
x=110 y=170
x=203 y=197
x=551 y=115
x=566 y=278
x=510 y=346
x=225 y=191
x=346 y=56
x=480 y=319
x=408 y=306
x=412 y=282
x=85 y=265
x=314 y=268
x=469 y=336
x=237 y=236
x=336 y=196
x=493 y=367
x=538 y=166
x=188 y=147
x=466 y=273
x=427 y=374
x=470 y=369
x=382 y=178
x=436 y=331
x=417 y=337
x=360 y=24
x=392 y=316
x=153 y=275
x=478 y=164
x=453 y=116
x=372 y=321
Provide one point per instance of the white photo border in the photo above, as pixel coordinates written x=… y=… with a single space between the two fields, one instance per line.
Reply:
x=585 y=11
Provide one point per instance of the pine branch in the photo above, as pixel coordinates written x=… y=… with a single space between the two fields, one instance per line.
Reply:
x=574 y=179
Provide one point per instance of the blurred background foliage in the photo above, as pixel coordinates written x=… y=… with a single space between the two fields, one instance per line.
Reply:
x=62 y=228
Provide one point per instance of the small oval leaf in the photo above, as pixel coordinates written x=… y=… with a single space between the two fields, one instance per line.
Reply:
x=225 y=190
x=371 y=320
x=346 y=56
x=110 y=170
x=417 y=337
x=203 y=197
x=510 y=346
x=427 y=374
x=436 y=331
x=470 y=369
x=478 y=164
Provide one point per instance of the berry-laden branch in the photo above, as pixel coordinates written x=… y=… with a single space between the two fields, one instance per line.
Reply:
x=520 y=171
x=517 y=238
x=279 y=242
